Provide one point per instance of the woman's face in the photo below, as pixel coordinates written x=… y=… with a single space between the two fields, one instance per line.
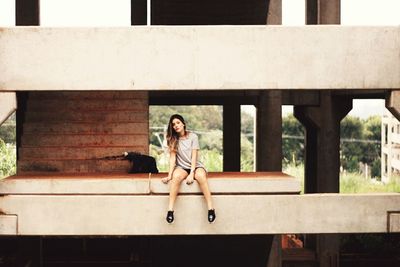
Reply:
x=178 y=126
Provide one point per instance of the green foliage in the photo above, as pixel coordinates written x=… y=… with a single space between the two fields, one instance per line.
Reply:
x=7 y=159
x=247 y=152
x=7 y=130
x=360 y=143
x=356 y=183
x=292 y=141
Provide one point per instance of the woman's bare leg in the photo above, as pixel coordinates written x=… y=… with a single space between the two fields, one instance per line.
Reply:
x=201 y=177
x=177 y=177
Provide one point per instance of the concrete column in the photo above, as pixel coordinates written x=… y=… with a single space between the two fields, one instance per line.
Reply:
x=269 y=131
x=322 y=162
x=138 y=12
x=27 y=12
x=274 y=16
x=311 y=12
x=392 y=103
x=328 y=247
x=329 y=11
x=231 y=136
x=322 y=11
x=322 y=124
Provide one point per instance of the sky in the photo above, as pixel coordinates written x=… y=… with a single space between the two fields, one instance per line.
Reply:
x=117 y=13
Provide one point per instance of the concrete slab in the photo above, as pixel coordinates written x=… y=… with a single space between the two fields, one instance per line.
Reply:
x=236 y=214
x=8 y=224
x=139 y=184
x=236 y=183
x=192 y=58
x=79 y=185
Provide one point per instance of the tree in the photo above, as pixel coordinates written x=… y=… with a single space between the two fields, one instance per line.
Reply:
x=292 y=140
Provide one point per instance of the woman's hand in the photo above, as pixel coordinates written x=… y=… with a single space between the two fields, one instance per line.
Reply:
x=165 y=180
x=190 y=178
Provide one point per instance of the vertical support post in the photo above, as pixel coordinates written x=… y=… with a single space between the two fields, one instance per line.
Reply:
x=231 y=136
x=311 y=12
x=139 y=12
x=322 y=11
x=323 y=162
x=274 y=16
x=329 y=12
x=269 y=131
x=27 y=13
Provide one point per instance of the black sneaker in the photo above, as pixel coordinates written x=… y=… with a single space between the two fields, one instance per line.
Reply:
x=211 y=216
x=170 y=216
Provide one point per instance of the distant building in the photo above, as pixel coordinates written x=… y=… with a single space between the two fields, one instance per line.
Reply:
x=390 y=164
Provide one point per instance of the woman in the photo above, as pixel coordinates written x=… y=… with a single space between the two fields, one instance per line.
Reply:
x=184 y=164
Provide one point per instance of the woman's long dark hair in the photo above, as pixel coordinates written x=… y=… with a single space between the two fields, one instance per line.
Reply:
x=172 y=136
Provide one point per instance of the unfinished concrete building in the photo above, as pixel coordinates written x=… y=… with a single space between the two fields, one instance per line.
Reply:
x=84 y=93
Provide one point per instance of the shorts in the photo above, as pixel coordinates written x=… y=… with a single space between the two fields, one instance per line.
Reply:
x=188 y=170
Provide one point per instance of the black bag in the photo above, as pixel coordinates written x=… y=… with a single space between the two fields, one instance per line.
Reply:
x=141 y=163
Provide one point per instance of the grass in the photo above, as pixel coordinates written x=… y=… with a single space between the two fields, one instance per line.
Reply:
x=351 y=182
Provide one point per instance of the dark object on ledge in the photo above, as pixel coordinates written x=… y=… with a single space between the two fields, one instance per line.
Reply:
x=141 y=163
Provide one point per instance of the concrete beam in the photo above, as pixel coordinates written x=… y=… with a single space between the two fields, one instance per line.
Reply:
x=8 y=224
x=258 y=214
x=8 y=104
x=192 y=58
x=143 y=184
x=392 y=103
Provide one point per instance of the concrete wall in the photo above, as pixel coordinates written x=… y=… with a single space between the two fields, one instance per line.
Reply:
x=222 y=57
x=72 y=132
x=236 y=214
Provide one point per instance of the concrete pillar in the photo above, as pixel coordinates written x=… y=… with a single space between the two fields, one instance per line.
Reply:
x=138 y=12
x=322 y=11
x=328 y=247
x=231 y=136
x=322 y=162
x=274 y=16
x=392 y=103
x=275 y=255
x=269 y=131
x=27 y=12
x=322 y=124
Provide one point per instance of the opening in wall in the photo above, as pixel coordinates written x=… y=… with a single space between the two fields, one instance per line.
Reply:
x=89 y=13
x=8 y=151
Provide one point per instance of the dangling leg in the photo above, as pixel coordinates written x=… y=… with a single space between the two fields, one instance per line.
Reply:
x=177 y=177
x=201 y=177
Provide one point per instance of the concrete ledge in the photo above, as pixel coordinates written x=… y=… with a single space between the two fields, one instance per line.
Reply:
x=8 y=224
x=238 y=214
x=192 y=58
x=56 y=184
x=236 y=183
x=139 y=184
x=394 y=222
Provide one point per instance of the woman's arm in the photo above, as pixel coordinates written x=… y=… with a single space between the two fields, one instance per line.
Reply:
x=172 y=162
x=190 y=178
